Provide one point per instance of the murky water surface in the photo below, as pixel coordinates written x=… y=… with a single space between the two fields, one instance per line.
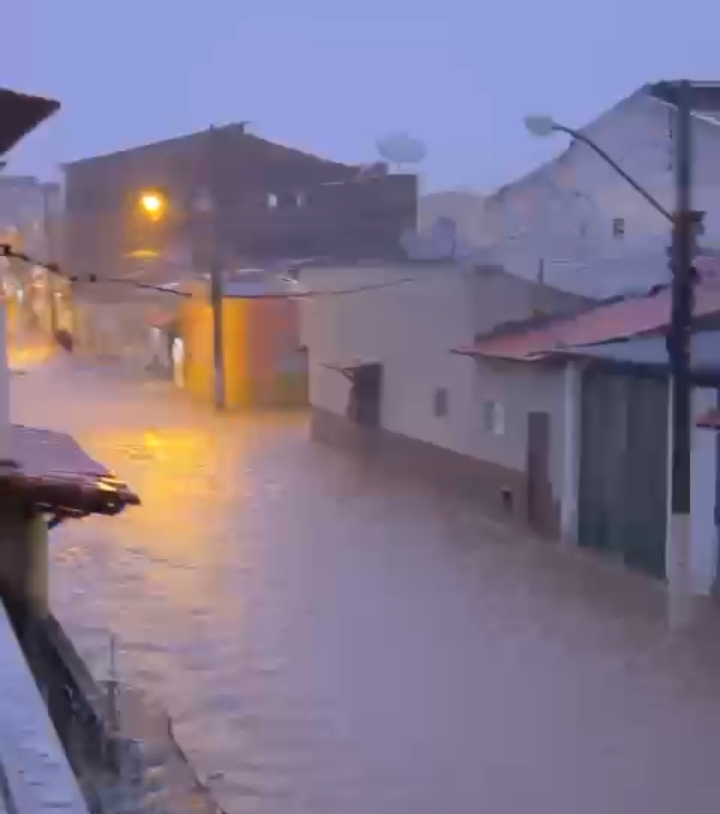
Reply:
x=330 y=642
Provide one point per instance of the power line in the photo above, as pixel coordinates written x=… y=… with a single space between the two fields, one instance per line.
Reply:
x=7 y=251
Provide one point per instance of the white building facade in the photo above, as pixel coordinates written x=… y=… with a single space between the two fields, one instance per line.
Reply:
x=459 y=422
x=581 y=227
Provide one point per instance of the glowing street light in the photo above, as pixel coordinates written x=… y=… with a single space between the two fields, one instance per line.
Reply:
x=152 y=204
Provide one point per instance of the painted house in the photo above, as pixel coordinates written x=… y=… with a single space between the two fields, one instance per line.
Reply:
x=612 y=359
x=382 y=380
x=264 y=364
x=554 y=413
x=576 y=224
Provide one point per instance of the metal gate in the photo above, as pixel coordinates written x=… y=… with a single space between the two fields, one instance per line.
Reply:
x=623 y=467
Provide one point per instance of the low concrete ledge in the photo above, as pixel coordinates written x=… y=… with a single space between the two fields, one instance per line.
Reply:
x=35 y=775
x=119 y=742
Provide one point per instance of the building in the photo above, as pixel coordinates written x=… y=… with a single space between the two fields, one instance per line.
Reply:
x=614 y=445
x=579 y=226
x=30 y=214
x=465 y=209
x=264 y=364
x=555 y=414
x=383 y=381
x=230 y=195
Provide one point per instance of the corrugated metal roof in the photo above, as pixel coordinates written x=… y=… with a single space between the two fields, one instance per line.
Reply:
x=621 y=319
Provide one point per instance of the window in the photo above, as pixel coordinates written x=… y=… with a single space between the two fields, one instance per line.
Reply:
x=618 y=227
x=440 y=402
x=494 y=417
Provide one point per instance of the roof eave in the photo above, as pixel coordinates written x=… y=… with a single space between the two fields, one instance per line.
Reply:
x=20 y=114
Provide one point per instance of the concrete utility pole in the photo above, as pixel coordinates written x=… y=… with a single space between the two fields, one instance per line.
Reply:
x=5 y=450
x=49 y=254
x=216 y=269
x=683 y=248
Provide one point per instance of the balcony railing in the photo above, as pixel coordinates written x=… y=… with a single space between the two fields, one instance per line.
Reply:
x=35 y=775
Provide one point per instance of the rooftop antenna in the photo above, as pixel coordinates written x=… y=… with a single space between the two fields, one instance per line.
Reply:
x=400 y=149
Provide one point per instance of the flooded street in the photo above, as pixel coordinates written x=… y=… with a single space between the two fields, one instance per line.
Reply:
x=329 y=642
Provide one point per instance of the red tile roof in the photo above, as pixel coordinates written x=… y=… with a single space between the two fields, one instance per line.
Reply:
x=620 y=319
x=54 y=474
x=710 y=421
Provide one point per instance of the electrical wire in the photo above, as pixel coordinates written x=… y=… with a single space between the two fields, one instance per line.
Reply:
x=7 y=251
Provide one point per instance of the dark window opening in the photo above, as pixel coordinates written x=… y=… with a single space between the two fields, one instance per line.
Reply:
x=365 y=392
x=288 y=200
x=440 y=402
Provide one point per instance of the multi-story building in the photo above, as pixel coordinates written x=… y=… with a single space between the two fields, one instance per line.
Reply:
x=228 y=192
x=575 y=223
x=29 y=212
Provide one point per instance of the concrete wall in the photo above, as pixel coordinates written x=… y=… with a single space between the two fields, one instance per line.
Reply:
x=112 y=331
x=704 y=532
x=410 y=327
x=562 y=213
x=520 y=389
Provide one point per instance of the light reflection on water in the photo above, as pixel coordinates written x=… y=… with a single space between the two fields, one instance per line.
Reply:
x=330 y=642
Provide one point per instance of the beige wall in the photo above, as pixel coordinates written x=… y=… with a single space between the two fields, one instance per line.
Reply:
x=520 y=388
x=411 y=328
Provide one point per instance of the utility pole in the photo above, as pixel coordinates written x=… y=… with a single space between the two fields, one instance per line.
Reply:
x=49 y=258
x=216 y=270
x=683 y=240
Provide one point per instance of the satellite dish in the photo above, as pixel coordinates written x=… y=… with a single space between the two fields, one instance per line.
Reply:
x=400 y=148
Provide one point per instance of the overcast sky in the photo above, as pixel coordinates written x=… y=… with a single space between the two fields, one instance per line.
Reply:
x=331 y=77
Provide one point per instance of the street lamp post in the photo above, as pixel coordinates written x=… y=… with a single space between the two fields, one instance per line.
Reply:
x=206 y=205
x=153 y=205
x=216 y=269
x=685 y=97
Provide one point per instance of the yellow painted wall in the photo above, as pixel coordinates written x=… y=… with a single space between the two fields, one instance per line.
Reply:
x=195 y=322
x=235 y=335
x=196 y=330
x=11 y=309
x=252 y=340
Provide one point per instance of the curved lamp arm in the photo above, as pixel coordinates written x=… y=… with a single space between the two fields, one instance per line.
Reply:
x=576 y=134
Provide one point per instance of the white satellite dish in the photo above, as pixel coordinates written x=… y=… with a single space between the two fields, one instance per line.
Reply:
x=400 y=148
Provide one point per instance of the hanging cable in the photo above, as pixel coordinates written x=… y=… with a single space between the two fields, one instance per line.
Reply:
x=8 y=252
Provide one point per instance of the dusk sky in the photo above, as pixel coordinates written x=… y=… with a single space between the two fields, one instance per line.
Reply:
x=331 y=78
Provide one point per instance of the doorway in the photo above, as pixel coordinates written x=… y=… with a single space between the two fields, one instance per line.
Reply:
x=365 y=395
x=178 y=361
x=539 y=489
x=623 y=467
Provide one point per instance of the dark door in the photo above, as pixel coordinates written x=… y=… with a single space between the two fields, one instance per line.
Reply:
x=539 y=494
x=365 y=395
x=602 y=444
x=623 y=468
